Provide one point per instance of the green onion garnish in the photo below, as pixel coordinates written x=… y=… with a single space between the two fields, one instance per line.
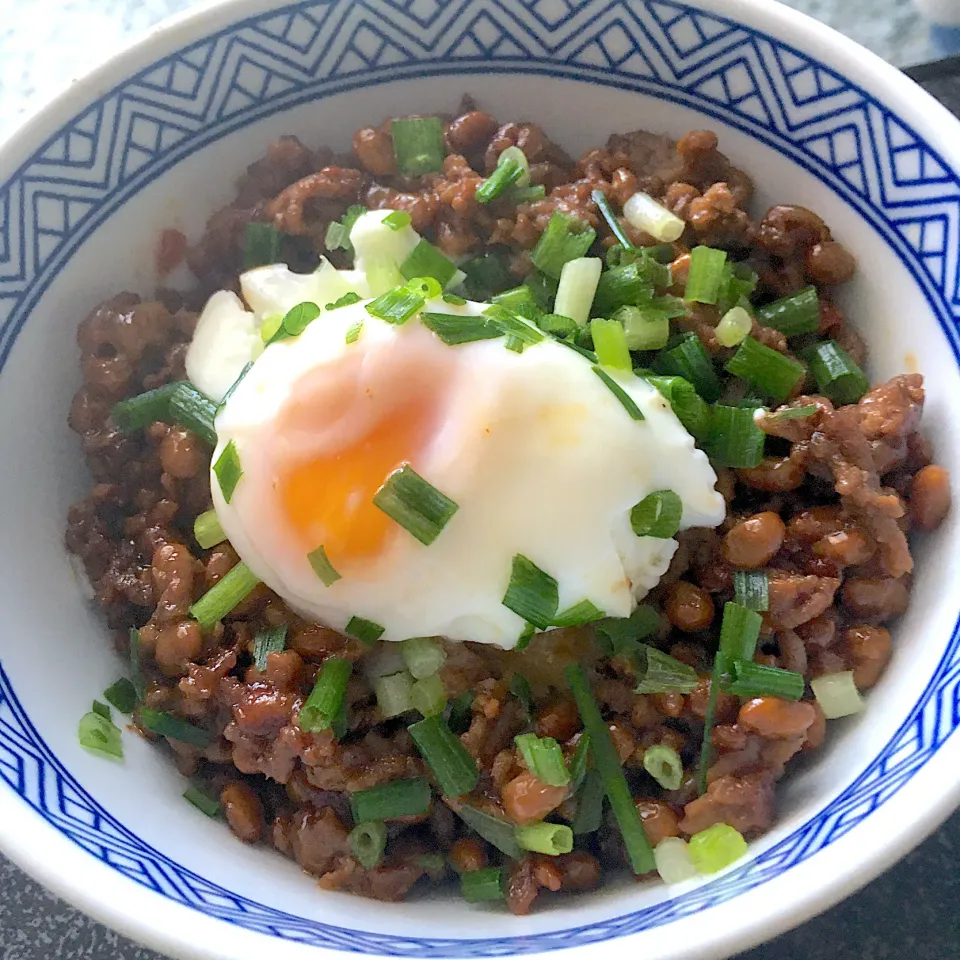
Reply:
x=452 y=767
x=296 y=320
x=691 y=409
x=100 y=736
x=261 y=245
x=517 y=195
x=557 y=325
x=663 y=763
x=720 y=666
x=581 y=757
x=625 y=399
x=792 y=413
x=396 y=306
x=716 y=847
x=136 y=672
x=426 y=287
x=338 y=232
x=658 y=672
x=837 y=376
x=794 y=315
x=565 y=238
x=551 y=839
x=610 y=344
x=689 y=359
x=454 y=328
x=608 y=763
x=576 y=348
x=523 y=641
x=429 y=695
x=629 y=284
x=422 y=656
x=228 y=470
x=121 y=695
x=577 y=287
x=207 y=530
x=397 y=219
x=486 y=276
x=203 y=802
x=837 y=694
x=417 y=145
x=621 y=633
x=388 y=801
x=453 y=299
x=366 y=631
x=270 y=640
x=322 y=566
x=520 y=688
x=644 y=213
x=480 y=886
x=368 y=841
x=586 y=611
x=532 y=594
x=347 y=300
x=736 y=288
x=101 y=710
x=589 y=813
x=733 y=328
x=327 y=697
x=673 y=860
x=772 y=373
x=354 y=331
x=191 y=409
x=521 y=301
x=223 y=596
x=425 y=260
x=394 y=693
x=498 y=833
x=509 y=170
x=174 y=728
x=758 y=680
x=739 y=631
x=421 y=509
x=544 y=758
x=750 y=589
x=140 y=411
x=270 y=327
x=641 y=331
x=247 y=367
x=657 y=515
x=603 y=205
x=734 y=439
x=706 y=274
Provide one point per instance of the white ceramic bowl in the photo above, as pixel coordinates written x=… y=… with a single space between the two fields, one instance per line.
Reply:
x=156 y=138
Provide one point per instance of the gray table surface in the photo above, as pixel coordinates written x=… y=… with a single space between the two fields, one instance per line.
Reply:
x=912 y=911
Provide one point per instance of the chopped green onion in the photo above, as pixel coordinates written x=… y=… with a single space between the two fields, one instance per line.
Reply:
x=566 y=238
x=610 y=343
x=705 y=276
x=520 y=688
x=228 y=470
x=629 y=284
x=578 y=284
x=480 y=886
x=383 y=276
x=734 y=439
x=422 y=656
x=520 y=300
x=689 y=359
x=508 y=172
x=261 y=245
x=498 y=833
x=394 y=694
x=551 y=839
x=625 y=399
x=425 y=260
x=523 y=641
x=716 y=847
x=417 y=145
x=586 y=611
x=368 y=841
x=720 y=666
x=733 y=327
x=224 y=595
x=658 y=672
x=576 y=348
x=532 y=594
x=603 y=205
x=136 y=672
x=270 y=640
x=203 y=802
x=452 y=767
x=578 y=765
x=389 y=801
x=191 y=409
x=543 y=288
x=792 y=413
x=271 y=327
x=691 y=409
x=461 y=712
x=643 y=332
x=327 y=697
x=174 y=728
x=395 y=306
x=322 y=566
x=657 y=515
x=615 y=783
x=140 y=411
x=518 y=195
x=347 y=300
x=409 y=500
x=837 y=376
x=338 y=231
x=432 y=864
x=673 y=861
x=557 y=325
x=207 y=530
x=101 y=710
x=663 y=763
x=621 y=633
x=543 y=758
x=589 y=813
x=794 y=315
x=429 y=696
x=772 y=373
x=739 y=631
x=122 y=695
x=486 y=276
x=750 y=589
x=295 y=321
x=99 y=735
x=453 y=299
x=837 y=694
x=758 y=680
x=397 y=219
x=644 y=213
x=366 y=631
x=354 y=331
x=454 y=328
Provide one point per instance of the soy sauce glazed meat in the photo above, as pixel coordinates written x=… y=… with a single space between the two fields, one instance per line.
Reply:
x=382 y=767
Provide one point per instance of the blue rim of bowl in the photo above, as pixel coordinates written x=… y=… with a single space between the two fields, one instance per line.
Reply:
x=706 y=74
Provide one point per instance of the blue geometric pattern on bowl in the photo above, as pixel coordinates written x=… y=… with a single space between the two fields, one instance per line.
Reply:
x=308 y=51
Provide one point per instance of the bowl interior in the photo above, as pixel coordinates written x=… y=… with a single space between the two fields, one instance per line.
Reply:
x=161 y=166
